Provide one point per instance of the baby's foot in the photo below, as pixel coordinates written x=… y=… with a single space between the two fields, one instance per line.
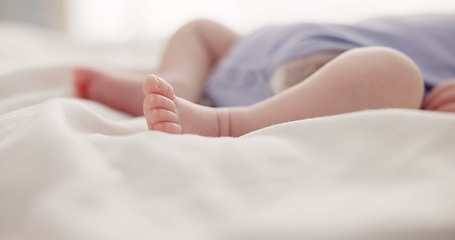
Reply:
x=167 y=113
x=117 y=93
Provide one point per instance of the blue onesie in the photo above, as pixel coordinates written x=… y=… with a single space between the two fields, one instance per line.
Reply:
x=241 y=78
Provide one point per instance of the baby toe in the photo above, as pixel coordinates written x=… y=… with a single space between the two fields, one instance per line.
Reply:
x=158 y=101
x=168 y=127
x=161 y=115
x=156 y=85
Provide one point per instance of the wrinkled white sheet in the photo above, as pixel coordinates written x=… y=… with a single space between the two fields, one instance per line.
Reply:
x=74 y=169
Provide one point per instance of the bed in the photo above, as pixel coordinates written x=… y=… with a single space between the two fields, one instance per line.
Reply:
x=75 y=169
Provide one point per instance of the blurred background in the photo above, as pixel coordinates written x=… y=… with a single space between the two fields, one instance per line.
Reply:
x=124 y=20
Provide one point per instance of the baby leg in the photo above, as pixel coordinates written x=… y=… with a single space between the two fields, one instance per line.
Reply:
x=366 y=78
x=186 y=63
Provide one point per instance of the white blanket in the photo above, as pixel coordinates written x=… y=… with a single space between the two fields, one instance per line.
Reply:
x=75 y=169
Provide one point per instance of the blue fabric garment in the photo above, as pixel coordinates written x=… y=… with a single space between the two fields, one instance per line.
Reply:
x=241 y=78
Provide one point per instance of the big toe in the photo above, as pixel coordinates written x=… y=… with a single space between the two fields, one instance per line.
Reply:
x=156 y=85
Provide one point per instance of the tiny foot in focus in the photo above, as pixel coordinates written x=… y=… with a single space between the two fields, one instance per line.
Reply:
x=167 y=113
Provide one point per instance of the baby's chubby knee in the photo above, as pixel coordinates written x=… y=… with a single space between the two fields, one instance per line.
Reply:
x=391 y=70
x=388 y=62
x=396 y=69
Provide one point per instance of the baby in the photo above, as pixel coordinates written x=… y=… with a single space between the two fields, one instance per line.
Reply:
x=286 y=73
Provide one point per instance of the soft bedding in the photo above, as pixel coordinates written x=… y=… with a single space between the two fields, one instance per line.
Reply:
x=75 y=169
